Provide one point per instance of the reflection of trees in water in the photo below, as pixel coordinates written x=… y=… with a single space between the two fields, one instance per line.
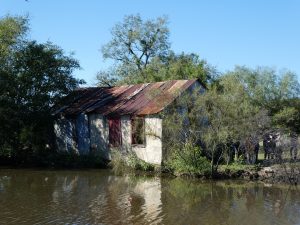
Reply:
x=197 y=202
x=80 y=197
x=227 y=203
x=283 y=202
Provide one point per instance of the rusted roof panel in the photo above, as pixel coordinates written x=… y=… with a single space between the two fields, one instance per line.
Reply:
x=139 y=99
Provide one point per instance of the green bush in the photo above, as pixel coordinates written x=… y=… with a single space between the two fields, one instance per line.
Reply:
x=117 y=162
x=135 y=163
x=189 y=160
x=128 y=162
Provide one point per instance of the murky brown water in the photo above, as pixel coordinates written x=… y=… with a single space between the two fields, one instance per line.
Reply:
x=99 y=197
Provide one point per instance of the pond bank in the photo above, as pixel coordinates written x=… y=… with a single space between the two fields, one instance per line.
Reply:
x=275 y=174
x=286 y=173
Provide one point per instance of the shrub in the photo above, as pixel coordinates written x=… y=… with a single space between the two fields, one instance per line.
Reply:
x=128 y=162
x=189 y=160
x=135 y=163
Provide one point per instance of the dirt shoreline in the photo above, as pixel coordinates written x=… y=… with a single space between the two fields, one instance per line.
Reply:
x=276 y=174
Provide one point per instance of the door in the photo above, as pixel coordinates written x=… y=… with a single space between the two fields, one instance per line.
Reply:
x=115 y=136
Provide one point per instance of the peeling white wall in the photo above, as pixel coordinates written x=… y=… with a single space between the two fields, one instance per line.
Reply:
x=98 y=137
x=152 y=152
x=126 y=133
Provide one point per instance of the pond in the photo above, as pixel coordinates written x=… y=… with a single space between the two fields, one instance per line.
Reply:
x=100 y=197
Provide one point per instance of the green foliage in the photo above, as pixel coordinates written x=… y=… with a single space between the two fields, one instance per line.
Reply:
x=118 y=162
x=276 y=92
x=231 y=118
x=135 y=42
x=237 y=166
x=188 y=160
x=141 y=52
x=12 y=33
x=180 y=67
x=121 y=163
x=287 y=115
x=222 y=114
x=33 y=78
x=138 y=164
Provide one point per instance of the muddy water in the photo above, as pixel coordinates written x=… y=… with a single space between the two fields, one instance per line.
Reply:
x=99 y=197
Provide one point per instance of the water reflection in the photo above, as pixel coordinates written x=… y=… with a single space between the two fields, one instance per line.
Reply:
x=99 y=197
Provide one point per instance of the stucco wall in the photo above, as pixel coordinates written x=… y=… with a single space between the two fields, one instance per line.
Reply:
x=82 y=131
x=92 y=134
x=64 y=130
x=99 y=135
x=152 y=152
x=126 y=133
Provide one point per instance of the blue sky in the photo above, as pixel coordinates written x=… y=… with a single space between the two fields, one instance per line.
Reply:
x=225 y=33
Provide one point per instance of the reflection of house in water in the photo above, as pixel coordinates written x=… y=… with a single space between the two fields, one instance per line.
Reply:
x=150 y=190
x=126 y=117
x=124 y=200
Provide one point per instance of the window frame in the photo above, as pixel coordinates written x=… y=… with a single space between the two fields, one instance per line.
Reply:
x=132 y=120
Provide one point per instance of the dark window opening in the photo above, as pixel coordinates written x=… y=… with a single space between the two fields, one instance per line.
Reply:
x=115 y=136
x=138 y=131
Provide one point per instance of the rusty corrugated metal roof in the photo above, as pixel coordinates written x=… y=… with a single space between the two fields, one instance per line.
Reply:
x=138 y=99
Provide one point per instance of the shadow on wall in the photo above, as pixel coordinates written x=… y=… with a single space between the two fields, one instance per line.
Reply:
x=83 y=135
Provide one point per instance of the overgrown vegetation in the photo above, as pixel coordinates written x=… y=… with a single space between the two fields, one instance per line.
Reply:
x=128 y=163
x=188 y=160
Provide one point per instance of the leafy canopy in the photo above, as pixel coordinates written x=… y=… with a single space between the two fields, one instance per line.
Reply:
x=141 y=52
x=33 y=77
x=277 y=92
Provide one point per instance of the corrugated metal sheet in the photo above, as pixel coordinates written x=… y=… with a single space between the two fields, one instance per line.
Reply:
x=139 y=99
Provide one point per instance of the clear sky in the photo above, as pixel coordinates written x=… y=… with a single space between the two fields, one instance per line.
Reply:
x=225 y=33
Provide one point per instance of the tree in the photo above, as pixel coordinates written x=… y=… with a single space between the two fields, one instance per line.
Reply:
x=172 y=67
x=181 y=67
x=12 y=33
x=213 y=119
x=141 y=52
x=135 y=42
x=33 y=77
x=277 y=92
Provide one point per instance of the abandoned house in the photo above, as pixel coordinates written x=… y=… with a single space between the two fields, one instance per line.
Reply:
x=128 y=118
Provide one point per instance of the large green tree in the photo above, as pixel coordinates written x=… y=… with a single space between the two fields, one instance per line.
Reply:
x=13 y=31
x=141 y=53
x=181 y=67
x=278 y=92
x=221 y=115
x=33 y=77
x=135 y=42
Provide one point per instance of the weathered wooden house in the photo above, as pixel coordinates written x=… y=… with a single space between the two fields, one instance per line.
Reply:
x=128 y=118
